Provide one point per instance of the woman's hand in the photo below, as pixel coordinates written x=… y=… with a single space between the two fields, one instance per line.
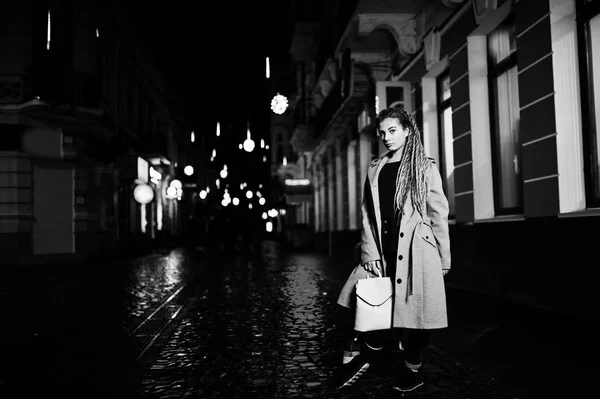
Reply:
x=373 y=267
x=445 y=271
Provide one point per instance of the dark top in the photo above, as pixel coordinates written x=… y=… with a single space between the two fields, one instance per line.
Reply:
x=389 y=226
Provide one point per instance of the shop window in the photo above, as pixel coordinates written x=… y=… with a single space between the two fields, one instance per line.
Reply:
x=588 y=17
x=445 y=137
x=506 y=141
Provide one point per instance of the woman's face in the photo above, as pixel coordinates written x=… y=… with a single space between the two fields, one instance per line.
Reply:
x=392 y=134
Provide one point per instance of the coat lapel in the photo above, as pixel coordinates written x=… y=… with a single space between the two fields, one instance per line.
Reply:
x=373 y=181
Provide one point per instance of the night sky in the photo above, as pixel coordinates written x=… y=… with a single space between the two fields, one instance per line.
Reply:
x=212 y=55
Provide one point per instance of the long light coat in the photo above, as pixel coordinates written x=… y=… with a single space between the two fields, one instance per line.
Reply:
x=423 y=251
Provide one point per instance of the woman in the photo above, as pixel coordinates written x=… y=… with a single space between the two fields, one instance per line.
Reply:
x=404 y=236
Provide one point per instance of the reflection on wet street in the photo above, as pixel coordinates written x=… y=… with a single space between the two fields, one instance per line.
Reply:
x=151 y=279
x=254 y=330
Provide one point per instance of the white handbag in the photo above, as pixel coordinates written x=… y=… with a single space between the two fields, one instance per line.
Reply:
x=373 y=304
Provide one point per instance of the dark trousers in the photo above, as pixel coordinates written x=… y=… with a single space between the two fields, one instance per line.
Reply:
x=414 y=342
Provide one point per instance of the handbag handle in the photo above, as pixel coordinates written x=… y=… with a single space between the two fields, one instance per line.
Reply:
x=376 y=275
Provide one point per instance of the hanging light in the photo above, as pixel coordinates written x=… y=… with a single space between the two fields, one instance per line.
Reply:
x=248 y=143
x=279 y=104
x=218 y=129
x=268 y=68
x=143 y=193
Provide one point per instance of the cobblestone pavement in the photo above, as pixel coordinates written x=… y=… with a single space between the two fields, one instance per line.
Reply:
x=267 y=330
x=187 y=324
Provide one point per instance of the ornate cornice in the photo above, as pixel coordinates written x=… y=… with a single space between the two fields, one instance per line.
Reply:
x=401 y=26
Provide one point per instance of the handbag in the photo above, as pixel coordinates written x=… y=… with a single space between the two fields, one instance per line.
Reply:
x=373 y=304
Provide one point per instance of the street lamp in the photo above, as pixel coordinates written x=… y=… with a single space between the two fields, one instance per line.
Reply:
x=248 y=143
x=279 y=104
x=143 y=193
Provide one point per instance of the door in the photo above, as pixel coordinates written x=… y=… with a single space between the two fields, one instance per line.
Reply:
x=53 y=210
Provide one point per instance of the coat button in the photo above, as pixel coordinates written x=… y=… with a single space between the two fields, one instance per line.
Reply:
x=401 y=234
x=400 y=257
x=399 y=281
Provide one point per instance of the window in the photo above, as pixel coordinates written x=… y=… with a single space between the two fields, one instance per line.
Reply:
x=588 y=17
x=445 y=137
x=504 y=101
x=417 y=100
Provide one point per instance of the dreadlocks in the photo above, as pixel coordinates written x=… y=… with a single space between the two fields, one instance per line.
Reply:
x=412 y=178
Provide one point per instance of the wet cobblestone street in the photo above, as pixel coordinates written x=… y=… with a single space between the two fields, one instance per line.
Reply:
x=268 y=331
x=264 y=324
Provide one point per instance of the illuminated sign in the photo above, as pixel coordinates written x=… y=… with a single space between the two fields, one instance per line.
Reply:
x=142 y=169
x=297 y=182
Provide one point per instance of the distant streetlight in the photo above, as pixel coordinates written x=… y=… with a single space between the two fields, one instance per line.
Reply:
x=268 y=68
x=248 y=143
x=188 y=170
x=171 y=192
x=143 y=193
x=279 y=104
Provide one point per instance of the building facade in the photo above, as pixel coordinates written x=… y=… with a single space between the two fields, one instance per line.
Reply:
x=504 y=94
x=85 y=117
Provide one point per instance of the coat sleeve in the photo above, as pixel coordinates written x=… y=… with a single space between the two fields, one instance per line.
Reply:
x=368 y=243
x=437 y=211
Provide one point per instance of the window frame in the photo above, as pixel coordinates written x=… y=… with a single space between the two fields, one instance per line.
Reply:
x=585 y=12
x=494 y=71
x=442 y=105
